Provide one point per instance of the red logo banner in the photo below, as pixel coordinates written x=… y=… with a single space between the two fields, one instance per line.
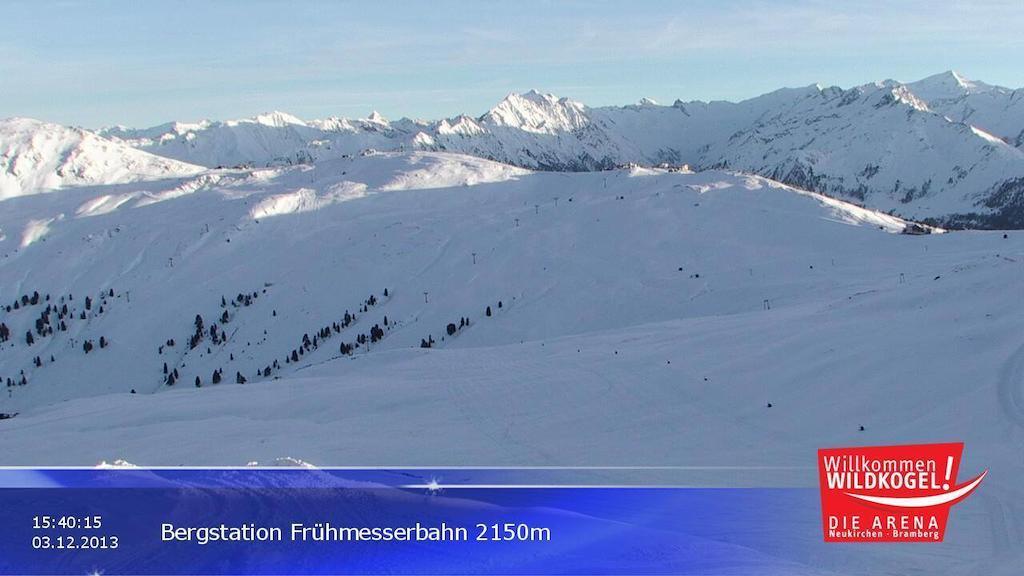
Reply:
x=890 y=493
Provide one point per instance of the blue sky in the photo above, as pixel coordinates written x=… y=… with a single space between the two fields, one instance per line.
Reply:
x=141 y=63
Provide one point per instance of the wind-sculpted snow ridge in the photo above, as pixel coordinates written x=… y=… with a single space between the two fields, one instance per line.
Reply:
x=39 y=157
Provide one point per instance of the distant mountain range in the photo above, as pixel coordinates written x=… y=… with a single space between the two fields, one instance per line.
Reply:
x=944 y=150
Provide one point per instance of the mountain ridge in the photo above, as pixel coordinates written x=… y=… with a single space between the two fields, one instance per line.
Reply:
x=39 y=156
x=953 y=160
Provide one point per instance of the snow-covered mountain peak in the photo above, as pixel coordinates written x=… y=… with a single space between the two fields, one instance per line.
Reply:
x=901 y=93
x=535 y=95
x=994 y=109
x=460 y=125
x=948 y=85
x=888 y=93
x=538 y=113
x=277 y=119
x=38 y=156
x=778 y=96
x=377 y=117
x=333 y=124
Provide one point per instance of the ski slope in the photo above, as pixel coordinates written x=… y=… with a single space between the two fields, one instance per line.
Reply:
x=647 y=317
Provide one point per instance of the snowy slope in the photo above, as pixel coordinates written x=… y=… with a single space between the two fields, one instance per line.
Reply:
x=339 y=231
x=37 y=157
x=646 y=317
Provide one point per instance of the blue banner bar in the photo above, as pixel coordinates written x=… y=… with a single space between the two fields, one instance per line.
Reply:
x=296 y=521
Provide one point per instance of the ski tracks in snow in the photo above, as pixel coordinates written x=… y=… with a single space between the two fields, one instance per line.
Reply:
x=1011 y=387
x=1003 y=511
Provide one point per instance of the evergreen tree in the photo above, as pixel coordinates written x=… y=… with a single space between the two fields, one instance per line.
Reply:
x=488 y=312
x=199 y=384
x=239 y=379
x=216 y=377
x=29 y=339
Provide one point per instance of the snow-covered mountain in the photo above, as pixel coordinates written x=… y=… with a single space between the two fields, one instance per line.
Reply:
x=994 y=109
x=943 y=149
x=38 y=157
x=271 y=139
x=877 y=144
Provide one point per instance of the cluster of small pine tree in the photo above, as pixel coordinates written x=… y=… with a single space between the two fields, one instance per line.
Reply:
x=308 y=344
x=452 y=328
x=22 y=380
x=55 y=317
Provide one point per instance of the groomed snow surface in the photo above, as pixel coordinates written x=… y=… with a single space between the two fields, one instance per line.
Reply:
x=646 y=317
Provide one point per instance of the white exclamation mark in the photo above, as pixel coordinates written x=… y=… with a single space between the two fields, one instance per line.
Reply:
x=949 y=471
